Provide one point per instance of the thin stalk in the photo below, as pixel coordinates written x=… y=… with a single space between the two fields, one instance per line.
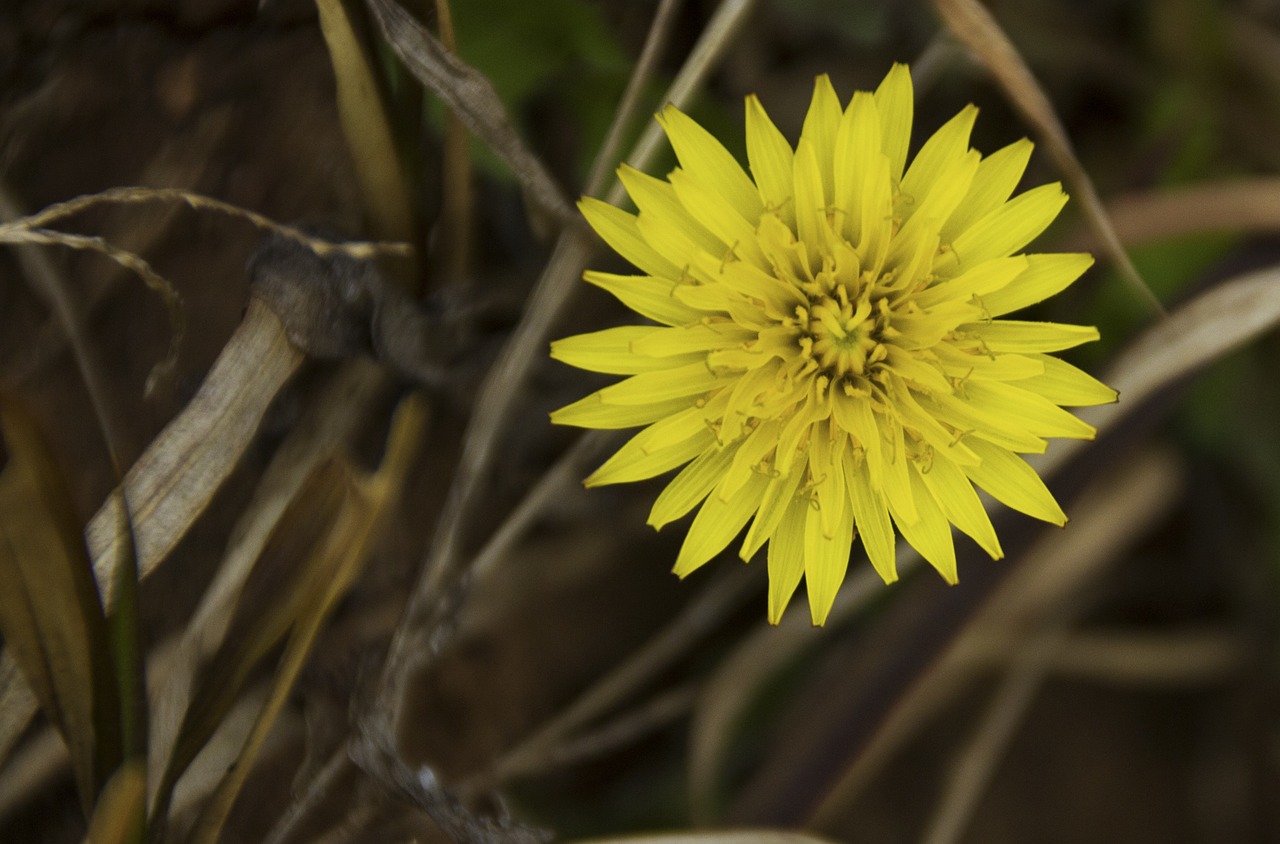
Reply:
x=625 y=113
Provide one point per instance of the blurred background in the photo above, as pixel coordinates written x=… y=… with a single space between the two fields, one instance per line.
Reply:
x=1116 y=681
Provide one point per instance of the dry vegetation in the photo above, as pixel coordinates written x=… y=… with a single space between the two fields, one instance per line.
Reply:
x=357 y=593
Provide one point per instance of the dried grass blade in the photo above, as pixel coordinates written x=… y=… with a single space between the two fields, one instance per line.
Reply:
x=1238 y=206
x=1198 y=333
x=1114 y=513
x=175 y=478
x=335 y=558
x=17 y=704
x=19 y=230
x=762 y=836
x=46 y=216
x=172 y=482
x=359 y=388
x=689 y=628
x=455 y=158
x=366 y=127
x=730 y=690
x=970 y=21
x=605 y=160
x=473 y=99
x=284 y=569
x=1117 y=515
x=50 y=614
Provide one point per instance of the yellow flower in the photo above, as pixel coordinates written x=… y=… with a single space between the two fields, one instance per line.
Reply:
x=829 y=360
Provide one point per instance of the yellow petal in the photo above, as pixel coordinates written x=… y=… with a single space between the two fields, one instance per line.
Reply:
x=751 y=452
x=692 y=379
x=778 y=297
x=620 y=231
x=913 y=416
x=856 y=155
x=871 y=517
x=877 y=217
x=648 y=296
x=948 y=188
x=691 y=485
x=657 y=199
x=897 y=476
x=719 y=217
x=1046 y=275
x=826 y=467
x=1063 y=384
x=976 y=419
x=980 y=280
x=1034 y=412
x=811 y=204
x=716 y=299
x=592 y=412
x=1009 y=479
x=669 y=237
x=895 y=103
x=821 y=124
x=641 y=458
x=1004 y=231
x=963 y=364
x=938 y=155
x=1009 y=335
x=911 y=250
x=683 y=341
x=795 y=430
x=611 y=351
x=930 y=532
x=826 y=558
x=786 y=558
x=778 y=242
x=997 y=176
x=916 y=243
x=717 y=522
x=923 y=375
x=705 y=157
x=855 y=416
x=770 y=157
x=778 y=496
x=746 y=391
x=960 y=504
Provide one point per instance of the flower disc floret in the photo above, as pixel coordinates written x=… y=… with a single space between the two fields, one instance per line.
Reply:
x=830 y=359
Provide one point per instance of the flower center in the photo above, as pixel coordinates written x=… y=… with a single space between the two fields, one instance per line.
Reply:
x=841 y=334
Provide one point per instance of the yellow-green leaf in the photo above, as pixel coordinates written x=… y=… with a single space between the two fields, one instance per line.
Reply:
x=50 y=613
x=366 y=127
x=120 y=816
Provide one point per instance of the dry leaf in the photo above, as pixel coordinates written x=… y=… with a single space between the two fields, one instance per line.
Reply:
x=175 y=478
x=762 y=836
x=471 y=96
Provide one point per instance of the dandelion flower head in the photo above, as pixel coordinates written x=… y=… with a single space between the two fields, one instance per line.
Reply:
x=831 y=359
